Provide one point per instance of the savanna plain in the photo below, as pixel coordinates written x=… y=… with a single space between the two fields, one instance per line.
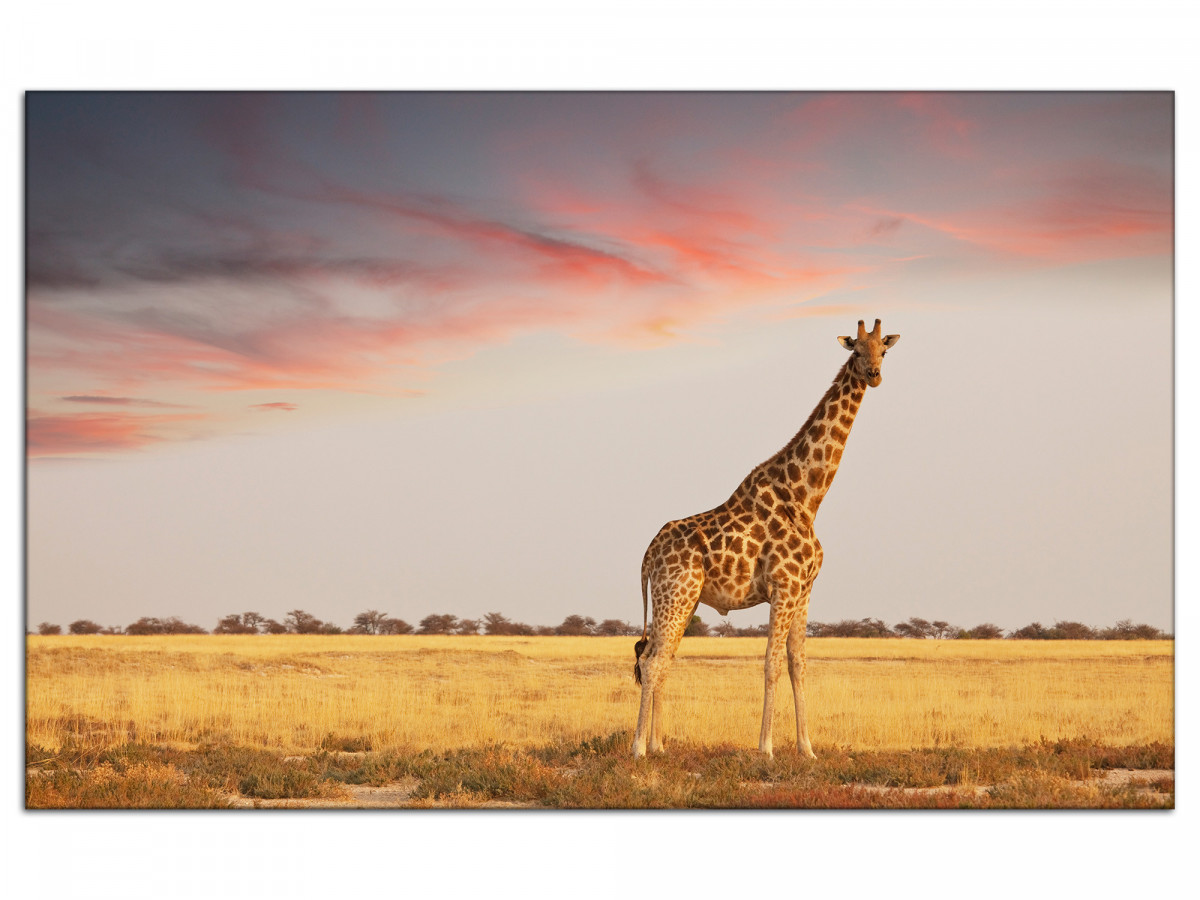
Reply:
x=212 y=721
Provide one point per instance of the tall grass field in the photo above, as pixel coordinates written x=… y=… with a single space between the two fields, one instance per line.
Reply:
x=94 y=700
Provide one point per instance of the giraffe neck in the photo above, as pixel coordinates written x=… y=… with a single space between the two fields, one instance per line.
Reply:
x=807 y=464
x=812 y=457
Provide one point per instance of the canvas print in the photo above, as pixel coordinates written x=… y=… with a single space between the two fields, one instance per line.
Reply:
x=599 y=450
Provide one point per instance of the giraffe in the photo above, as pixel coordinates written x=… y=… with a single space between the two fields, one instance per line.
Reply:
x=757 y=547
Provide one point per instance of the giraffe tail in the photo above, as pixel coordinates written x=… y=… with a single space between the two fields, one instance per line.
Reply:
x=641 y=645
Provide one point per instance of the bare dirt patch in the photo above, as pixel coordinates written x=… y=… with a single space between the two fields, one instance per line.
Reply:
x=1141 y=778
x=356 y=796
x=396 y=795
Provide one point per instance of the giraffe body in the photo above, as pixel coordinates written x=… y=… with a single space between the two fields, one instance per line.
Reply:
x=758 y=546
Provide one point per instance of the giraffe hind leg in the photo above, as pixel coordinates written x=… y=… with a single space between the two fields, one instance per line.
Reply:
x=673 y=630
x=644 y=712
x=653 y=666
x=666 y=630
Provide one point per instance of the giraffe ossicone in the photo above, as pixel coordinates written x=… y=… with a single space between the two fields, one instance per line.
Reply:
x=758 y=546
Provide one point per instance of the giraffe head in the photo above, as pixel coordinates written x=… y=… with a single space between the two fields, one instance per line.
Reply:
x=869 y=350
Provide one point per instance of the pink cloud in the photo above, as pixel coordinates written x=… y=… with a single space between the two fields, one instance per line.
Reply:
x=273 y=407
x=87 y=433
x=1085 y=211
x=566 y=256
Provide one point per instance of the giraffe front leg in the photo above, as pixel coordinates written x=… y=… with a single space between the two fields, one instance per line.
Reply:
x=797 y=663
x=772 y=666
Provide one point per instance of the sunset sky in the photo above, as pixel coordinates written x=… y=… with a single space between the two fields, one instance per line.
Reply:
x=466 y=352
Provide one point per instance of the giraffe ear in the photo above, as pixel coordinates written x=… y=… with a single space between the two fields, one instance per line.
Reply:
x=890 y=340
x=847 y=342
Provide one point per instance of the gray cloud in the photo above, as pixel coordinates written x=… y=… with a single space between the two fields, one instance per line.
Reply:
x=119 y=401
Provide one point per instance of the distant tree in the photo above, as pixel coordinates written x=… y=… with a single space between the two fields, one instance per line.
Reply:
x=943 y=630
x=754 y=630
x=495 y=623
x=175 y=625
x=47 y=628
x=696 y=628
x=145 y=625
x=113 y=629
x=330 y=628
x=576 y=625
x=851 y=628
x=172 y=625
x=545 y=630
x=270 y=626
x=300 y=622
x=724 y=629
x=874 y=628
x=915 y=628
x=254 y=621
x=231 y=624
x=83 y=626
x=612 y=628
x=1125 y=630
x=234 y=624
x=467 y=626
x=985 y=632
x=437 y=624
x=1073 y=631
x=395 y=626
x=369 y=622
x=1031 y=632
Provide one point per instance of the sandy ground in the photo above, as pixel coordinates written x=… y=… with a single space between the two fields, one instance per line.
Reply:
x=359 y=796
x=1108 y=778
x=398 y=794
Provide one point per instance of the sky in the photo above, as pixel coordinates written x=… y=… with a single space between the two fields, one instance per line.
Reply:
x=466 y=352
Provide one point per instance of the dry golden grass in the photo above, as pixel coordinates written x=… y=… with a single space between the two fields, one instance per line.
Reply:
x=297 y=694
